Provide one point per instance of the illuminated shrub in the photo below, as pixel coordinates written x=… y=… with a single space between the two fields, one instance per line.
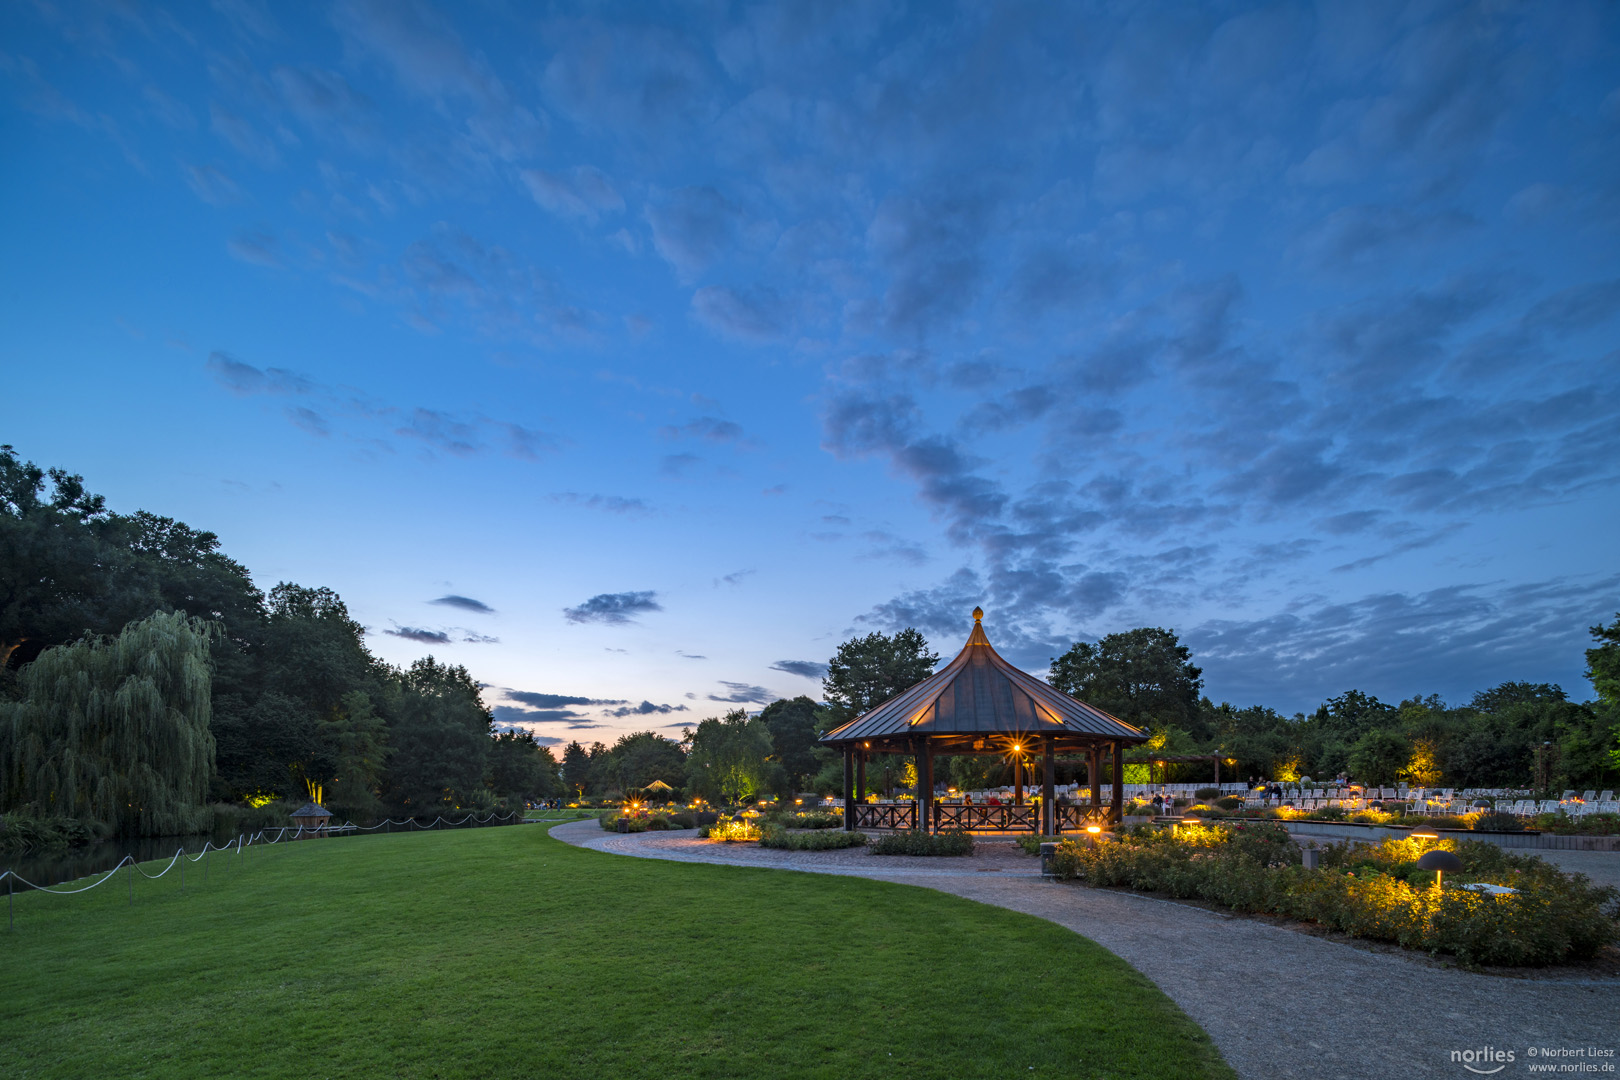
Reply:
x=1366 y=891
x=738 y=830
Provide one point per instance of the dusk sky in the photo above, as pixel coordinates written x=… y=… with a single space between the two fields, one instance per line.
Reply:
x=634 y=356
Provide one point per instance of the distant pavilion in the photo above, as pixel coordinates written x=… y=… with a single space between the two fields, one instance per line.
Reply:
x=981 y=704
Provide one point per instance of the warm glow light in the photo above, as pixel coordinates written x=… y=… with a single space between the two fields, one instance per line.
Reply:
x=1093 y=829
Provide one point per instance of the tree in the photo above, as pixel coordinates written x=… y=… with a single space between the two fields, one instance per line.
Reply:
x=1144 y=676
x=794 y=724
x=646 y=756
x=357 y=739
x=1379 y=756
x=728 y=757
x=115 y=731
x=867 y=671
x=441 y=739
x=576 y=768
x=1603 y=663
x=520 y=768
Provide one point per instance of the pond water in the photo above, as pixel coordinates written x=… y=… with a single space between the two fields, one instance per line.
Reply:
x=54 y=866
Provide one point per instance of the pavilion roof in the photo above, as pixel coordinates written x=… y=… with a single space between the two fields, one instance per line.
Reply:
x=979 y=692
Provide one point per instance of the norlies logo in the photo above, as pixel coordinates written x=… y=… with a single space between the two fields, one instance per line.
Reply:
x=1484 y=1057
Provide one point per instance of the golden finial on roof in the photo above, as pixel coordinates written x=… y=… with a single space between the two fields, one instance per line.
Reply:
x=978 y=614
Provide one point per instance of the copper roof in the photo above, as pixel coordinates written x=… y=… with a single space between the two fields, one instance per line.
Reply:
x=981 y=693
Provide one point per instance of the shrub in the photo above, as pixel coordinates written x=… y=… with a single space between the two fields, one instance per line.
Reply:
x=810 y=819
x=1495 y=822
x=776 y=836
x=1230 y=802
x=1373 y=891
x=25 y=832
x=1207 y=793
x=916 y=842
x=738 y=830
x=1032 y=843
x=1586 y=825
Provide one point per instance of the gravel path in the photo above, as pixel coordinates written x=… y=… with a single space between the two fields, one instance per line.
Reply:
x=1278 y=1002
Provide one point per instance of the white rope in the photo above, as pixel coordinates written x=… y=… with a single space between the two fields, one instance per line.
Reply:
x=241 y=842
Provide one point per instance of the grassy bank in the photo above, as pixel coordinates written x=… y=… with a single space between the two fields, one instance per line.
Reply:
x=504 y=953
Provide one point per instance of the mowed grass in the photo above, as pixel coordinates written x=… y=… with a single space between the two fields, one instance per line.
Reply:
x=504 y=953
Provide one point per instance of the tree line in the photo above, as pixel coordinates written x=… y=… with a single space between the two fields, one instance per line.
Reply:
x=144 y=675
x=127 y=631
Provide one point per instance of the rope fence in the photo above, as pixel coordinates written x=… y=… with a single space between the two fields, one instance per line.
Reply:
x=243 y=841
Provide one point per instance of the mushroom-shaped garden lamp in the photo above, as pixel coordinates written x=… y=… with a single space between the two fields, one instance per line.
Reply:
x=1440 y=862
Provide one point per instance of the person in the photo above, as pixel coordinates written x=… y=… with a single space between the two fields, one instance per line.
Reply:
x=967 y=798
x=994 y=801
x=1158 y=803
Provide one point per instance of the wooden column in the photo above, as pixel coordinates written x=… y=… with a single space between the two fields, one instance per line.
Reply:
x=917 y=767
x=849 y=789
x=1117 y=803
x=1018 y=776
x=1048 y=792
x=860 y=776
x=1094 y=773
x=928 y=789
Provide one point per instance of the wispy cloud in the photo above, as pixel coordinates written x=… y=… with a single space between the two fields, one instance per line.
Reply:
x=614 y=609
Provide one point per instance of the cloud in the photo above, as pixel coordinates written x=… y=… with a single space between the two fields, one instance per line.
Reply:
x=693 y=228
x=309 y=420
x=612 y=504
x=1453 y=640
x=462 y=436
x=507 y=714
x=255 y=246
x=646 y=708
x=756 y=315
x=710 y=429
x=426 y=637
x=678 y=464
x=554 y=701
x=614 y=609
x=211 y=185
x=245 y=380
x=743 y=693
x=583 y=193
x=465 y=603
x=809 y=669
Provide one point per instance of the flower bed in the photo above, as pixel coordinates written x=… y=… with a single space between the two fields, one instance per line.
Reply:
x=1366 y=891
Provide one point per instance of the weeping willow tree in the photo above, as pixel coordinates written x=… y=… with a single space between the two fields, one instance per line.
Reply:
x=115 y=730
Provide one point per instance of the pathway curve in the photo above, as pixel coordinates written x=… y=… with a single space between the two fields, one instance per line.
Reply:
x=1278 y=1002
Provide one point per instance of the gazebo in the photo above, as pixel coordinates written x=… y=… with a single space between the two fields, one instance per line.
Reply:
x=981 y=704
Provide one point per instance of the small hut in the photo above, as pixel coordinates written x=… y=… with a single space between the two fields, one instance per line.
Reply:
x=981 y=704
x=312 y=818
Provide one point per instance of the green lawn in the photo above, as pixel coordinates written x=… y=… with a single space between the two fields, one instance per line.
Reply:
x=503 y=953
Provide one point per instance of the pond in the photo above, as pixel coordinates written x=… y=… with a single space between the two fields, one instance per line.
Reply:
x=53 y=866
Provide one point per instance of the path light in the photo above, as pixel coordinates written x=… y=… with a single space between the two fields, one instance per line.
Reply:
x=1425 y=832
x=1440 y=862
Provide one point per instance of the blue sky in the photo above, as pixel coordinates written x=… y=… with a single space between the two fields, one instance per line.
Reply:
x=636 y=356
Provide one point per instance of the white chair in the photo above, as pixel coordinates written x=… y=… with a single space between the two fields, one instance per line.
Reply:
x=1607 y=796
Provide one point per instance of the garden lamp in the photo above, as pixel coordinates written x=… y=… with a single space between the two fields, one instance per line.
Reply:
x=1425 y=832
x=1440 y=862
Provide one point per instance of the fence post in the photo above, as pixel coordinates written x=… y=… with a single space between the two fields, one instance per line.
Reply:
x=131 y=876
x=182 y=871
x=11 y=921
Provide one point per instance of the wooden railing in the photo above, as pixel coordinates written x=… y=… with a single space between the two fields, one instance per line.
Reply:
x=980 y=818
x=1078 y=815
x=885 y=815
